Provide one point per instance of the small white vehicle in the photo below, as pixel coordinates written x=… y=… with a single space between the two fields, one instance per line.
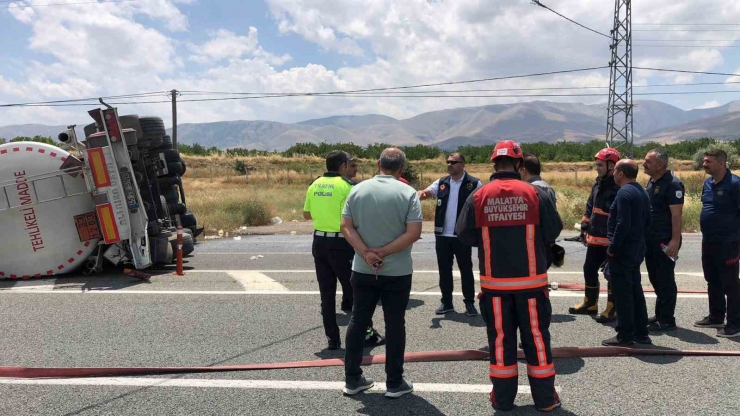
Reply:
x=117 y=195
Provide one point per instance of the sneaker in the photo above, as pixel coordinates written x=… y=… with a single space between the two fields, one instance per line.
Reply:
x=396 y=392
x=729 y=332
x=353 y=387
x=553 y=406
x=334 y=344
x=616 y=342
x=644 y=340
x=470 y=310
x=709 y=322
x=373 y=338
x=661 y=326
x=443 y=309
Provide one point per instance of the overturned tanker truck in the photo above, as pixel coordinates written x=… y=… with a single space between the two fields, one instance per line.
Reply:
x=115 y=198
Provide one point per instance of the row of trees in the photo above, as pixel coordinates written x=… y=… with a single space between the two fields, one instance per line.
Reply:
x=547 y=152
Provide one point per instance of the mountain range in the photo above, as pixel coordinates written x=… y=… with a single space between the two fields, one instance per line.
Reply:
x=524 y=122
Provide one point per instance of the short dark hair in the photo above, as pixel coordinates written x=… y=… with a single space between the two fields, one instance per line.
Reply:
x=630 y=170
x=717 y=153
x=505 y=161
x=335 y=159
x=532 y=164
x=459 y=155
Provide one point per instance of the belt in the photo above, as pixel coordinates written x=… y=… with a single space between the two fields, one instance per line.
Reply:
x=325 y=234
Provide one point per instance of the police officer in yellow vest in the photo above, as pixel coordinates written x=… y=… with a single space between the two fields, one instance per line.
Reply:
x=333 y=255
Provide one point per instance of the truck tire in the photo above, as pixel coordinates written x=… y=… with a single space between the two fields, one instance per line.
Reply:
x=187 y=220
x=171 y=195
x=155 y=143
x=174 y=169
x=152 y=128
x=167 y=142
x=171 y=155
x=131 y=122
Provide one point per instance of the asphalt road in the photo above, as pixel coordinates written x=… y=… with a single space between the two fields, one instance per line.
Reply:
x=230 y=309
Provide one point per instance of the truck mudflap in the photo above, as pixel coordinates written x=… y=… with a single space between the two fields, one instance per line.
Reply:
x=116 y=198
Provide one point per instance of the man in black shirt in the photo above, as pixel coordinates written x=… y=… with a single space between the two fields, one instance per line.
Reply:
x=628 y=222
x=663 y=239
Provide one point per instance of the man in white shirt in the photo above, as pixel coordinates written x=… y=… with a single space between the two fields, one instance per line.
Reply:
x=455 y=187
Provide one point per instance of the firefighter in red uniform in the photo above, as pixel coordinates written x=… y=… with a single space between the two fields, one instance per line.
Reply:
x=513 y=223
x=593 y=235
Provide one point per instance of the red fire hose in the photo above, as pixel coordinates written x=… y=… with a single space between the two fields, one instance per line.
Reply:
x=411 y=357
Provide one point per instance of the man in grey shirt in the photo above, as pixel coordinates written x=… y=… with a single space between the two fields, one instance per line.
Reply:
x=382 y=219
x=530 y=171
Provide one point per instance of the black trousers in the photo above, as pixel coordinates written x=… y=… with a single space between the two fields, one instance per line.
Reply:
x=661 y=271
x=629 y=299
x=530 y=314
x=720 y=265
x=394 y=292
x=333 y=260
x=447 y=249
x=595 y=256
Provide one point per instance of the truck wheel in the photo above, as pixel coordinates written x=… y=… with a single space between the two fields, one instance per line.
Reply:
x=152 y=127
x=187 y=220
x=131 y=122
x=174 y=168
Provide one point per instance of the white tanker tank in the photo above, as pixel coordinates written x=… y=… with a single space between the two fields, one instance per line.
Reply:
x=117 y=195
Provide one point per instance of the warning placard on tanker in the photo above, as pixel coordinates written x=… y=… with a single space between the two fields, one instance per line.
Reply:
x=87 y=226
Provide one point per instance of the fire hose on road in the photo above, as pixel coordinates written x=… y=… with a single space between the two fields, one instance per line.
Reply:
x=411 y=357
x=575 y=286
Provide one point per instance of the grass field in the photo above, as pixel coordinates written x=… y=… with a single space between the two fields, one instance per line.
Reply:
x=276 y=188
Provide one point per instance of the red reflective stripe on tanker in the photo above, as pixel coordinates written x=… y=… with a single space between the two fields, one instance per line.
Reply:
x=600 y=211
x=4 y=151
x=504 y=371
x=597 y=241
x=16 y=149
x=531 y=254
x=486 y=250
x=534 y=323
x=111 y=122
x=497 y=322
x=541 y=371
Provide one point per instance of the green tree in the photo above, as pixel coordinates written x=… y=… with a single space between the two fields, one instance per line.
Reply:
x=733 y=158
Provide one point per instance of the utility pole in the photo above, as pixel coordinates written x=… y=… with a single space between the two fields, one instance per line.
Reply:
x=174 y=95
x=619 y=123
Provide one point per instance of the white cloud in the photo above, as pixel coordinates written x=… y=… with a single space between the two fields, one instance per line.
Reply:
x=225 y=44
x=105 y=51
x=708 y=104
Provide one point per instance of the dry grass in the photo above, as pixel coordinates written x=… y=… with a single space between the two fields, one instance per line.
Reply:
x=230 y=202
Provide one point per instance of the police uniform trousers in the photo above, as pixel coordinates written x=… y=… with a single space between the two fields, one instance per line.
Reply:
x=661 y=272
x=333 y=260
x=721 y=268
x=529 y=313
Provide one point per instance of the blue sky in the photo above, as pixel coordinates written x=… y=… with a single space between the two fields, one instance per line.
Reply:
x=76 y=51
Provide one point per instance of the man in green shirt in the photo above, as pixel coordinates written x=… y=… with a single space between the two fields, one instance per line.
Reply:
x=333 y=256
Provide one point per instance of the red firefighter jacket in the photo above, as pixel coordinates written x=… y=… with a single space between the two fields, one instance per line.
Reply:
x=513 y=224
x=598 y=207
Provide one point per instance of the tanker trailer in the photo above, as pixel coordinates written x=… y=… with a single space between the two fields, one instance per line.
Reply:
x=114 y=198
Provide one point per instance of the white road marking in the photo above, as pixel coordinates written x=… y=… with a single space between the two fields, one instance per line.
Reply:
x=455 y=272
x=553 y=294
x=28 y=285
x=252 y=280
x=248 y=384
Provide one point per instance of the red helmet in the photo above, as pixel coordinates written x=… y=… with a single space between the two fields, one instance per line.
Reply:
x=507 y=148
x=608 y=154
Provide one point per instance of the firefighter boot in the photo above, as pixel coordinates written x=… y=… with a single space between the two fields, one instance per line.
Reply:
x=590 y=305
x=610 y=313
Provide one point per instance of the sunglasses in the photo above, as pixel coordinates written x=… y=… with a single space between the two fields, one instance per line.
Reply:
x=453 y=162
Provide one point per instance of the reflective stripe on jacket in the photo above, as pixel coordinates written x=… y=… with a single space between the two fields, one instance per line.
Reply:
x=599 y=203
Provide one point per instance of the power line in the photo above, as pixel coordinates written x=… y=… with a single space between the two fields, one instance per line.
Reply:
x=686 y=30
x=22 y=6
x=538 y=3
x=686 y=72
x=686 y=46
x=382 y=96
x=686 y=24
x=375 y=89
x=687 y=40
x=196 y=93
